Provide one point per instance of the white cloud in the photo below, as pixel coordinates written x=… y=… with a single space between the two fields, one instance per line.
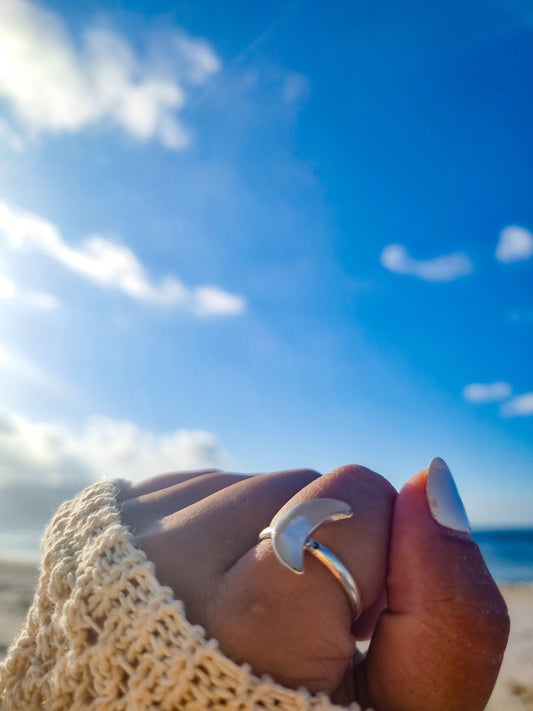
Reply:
x=18 y=364
x=440 y=269
x=39 y=300
x=9 y=137
x=7 y=288
x=210 y=300
x=515 y=245
x=487 y=392
x=519 y=406
x=113 y=266
x=49 y=453
x=295 y=87
x=55 y=461
x=199 y=60
x=56 y=83
x=42 y=301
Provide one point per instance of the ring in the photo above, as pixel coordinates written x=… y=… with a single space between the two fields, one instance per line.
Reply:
x=291 y=537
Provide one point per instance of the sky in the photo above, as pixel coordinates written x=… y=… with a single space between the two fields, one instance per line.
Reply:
x=259 y=236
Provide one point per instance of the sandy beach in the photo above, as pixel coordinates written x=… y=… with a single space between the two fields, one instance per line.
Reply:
x=513 y=692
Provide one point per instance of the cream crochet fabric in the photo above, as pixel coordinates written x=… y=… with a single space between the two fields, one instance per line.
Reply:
x=102 y=634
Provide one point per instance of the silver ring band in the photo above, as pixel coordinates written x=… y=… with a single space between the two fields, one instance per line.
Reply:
x=290 y=537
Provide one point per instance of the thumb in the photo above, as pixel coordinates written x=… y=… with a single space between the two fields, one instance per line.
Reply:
x=440 y=643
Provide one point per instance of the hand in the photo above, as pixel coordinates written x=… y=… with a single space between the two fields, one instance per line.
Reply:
x=438 y=638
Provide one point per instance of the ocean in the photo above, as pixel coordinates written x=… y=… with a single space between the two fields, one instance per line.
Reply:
x=508 y=553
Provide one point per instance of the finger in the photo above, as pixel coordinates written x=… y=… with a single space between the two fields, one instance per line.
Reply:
x=207 y=537
x=156 y=483
x=361 y=543
x=440 y=644
x=141 y=512
x=261 y=602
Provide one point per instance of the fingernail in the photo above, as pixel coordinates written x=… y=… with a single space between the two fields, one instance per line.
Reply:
x=443 y=497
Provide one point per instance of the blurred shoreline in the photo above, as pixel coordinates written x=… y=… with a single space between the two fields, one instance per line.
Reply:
x=513 y=692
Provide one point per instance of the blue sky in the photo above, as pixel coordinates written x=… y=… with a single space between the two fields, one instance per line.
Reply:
x=262 y=236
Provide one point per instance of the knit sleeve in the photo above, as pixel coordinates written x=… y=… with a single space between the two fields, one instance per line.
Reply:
x=102 y=633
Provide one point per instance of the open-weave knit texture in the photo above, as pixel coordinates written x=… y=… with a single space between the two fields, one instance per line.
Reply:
x=103 y=634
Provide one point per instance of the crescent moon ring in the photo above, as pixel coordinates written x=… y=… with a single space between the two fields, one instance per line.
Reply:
x=291 y=536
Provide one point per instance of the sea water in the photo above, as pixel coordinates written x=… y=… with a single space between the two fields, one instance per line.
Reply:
x=508 y=554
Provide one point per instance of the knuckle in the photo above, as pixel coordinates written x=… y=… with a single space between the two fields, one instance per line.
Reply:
x=363 y=477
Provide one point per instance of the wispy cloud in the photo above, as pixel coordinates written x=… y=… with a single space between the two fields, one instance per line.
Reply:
x=7 y=288
x=113 y=266
x=18 y=364
x=9 y=137
x=38 y=300
x=519 y=406
x=41 y=301
x=210 y=300
x=487 y=392
x=445 y=268
x=54 y=82
x=295 y=87
x=56 y=461
x=515 y=245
